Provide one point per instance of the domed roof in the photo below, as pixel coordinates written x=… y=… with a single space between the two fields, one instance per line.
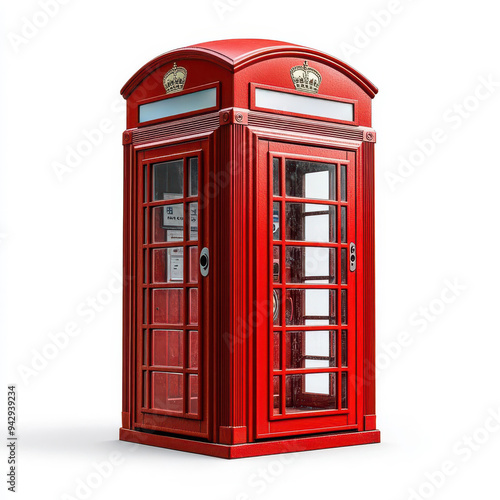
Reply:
x=236 y=54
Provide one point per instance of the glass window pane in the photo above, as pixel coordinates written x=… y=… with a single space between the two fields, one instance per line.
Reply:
x=167 y=306
x=193 y=176
x=343 y=224
x=309 y=222
x=144 y=347
x=310 y=392
x=343 y=307
x=315 y=363
x=317 y=343
x=311 y=307
x=344 y=389
x=193 y=221
x=167 y=348
x=195 y=101
x=276 y=221
x=276 y=307
x=277 y=350
x=333 y=349
x=311 y=264
x=276 y=264
x=193 y=399
x=310 y=349
x=304 y=105
x=168 y=180
x=276 y=176
x=343 y=266
x=343 y=182
x=193 y=265
x=307 y=179
x=193 y=349
x=193 y=306
x=167 y=391
x=167 y=265
x=144 y=389
x=343 y=348
x=317 y=383
x=168 y=223
x=276 y=395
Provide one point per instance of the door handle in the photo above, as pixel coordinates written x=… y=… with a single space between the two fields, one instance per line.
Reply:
x=204 y=261
x=352 y=257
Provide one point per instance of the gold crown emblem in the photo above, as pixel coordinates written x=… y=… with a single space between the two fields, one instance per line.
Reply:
x=175 y=79
x=305 y=78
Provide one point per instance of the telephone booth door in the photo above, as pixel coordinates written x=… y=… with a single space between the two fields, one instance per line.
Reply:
x=171 y=371
x=308 y=352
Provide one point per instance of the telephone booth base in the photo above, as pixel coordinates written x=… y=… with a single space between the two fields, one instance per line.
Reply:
x=273 y=447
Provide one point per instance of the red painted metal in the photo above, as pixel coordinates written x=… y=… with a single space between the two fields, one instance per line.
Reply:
x=318 y=442
x=236 y=411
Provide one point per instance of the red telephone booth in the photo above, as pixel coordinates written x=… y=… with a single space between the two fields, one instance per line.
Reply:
x=248 y=251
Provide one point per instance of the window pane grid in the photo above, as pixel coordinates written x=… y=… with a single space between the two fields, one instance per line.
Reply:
x=171 y=388
x=331 y=391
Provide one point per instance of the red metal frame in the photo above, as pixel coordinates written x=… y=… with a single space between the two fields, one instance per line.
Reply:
x=235 y=147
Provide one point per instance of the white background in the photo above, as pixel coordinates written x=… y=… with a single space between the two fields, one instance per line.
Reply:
x=60 y=245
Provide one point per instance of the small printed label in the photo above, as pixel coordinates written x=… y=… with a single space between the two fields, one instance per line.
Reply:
x=11 y=438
